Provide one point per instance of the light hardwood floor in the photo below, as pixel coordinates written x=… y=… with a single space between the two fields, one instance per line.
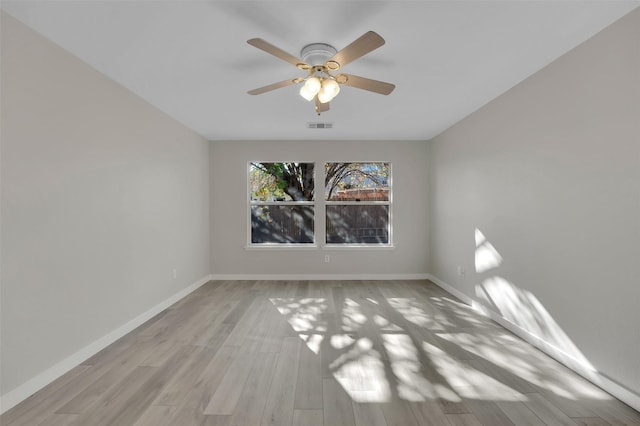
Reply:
x=307 y=353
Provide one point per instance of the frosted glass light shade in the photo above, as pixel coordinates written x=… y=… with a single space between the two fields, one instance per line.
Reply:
x=328 y=91
x=324 y=96
x=305 y=93
x=331 y=86
x=310 y=88
x=313 y=85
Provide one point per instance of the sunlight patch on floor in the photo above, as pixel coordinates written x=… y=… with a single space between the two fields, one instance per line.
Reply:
x=406 y=367
x=497 y=350
x=313 y=342
x=352 y=316
x=360 y=372
x=411 y=310
x=305 y=317
x=468 y=381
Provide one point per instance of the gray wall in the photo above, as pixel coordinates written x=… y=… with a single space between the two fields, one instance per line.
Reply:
x=102 y=197
x=229 y=210
x=549 y=173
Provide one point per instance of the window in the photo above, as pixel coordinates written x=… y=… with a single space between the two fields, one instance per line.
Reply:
x=282 y=203
x=354 y=211
x=358 y=201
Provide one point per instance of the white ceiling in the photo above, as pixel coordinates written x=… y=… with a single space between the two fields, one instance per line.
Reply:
x=191 y=60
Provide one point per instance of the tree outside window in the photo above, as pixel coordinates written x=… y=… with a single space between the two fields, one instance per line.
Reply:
x=357 y=203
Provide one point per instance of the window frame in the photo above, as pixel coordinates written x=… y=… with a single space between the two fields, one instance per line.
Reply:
x=319 y=204
x=250 y=203
x=388 y=203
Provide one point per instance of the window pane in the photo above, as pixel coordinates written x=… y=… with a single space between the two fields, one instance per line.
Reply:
x=282 y=224
x=357 y=181
x=358 y=224
x=281 y=181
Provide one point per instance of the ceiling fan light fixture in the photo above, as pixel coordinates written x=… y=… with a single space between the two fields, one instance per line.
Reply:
x=310 y=88
x=306 y=93
x=324 y=96
x=330 y=89
x=313 y=85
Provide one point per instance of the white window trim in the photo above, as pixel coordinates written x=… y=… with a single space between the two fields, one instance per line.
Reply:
x=338 y=246
x=281 y=246
x=319 y=212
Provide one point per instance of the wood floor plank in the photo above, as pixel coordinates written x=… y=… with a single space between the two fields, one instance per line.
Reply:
x=338 y=409
x=127 y=401
x=60 y=420
x=227 y=394
x=274 y=327
x=590 y=421
x=546 y=411
x=48 y=400
x=309 y=381
x=333 y=345
x=240 y=309
x=246 y=322
x=308 y=417
x=488 y=413
x=187 y=377
x=156 y=415
x=398 y=412
x=279 y=406
x=251 y=404
x=150 y=389
x=463 y=420
x=503 y=376
x=367 y=414
x=196 y=397
x=116 y=372
x=214 y=420
x=453 y=407
x=519 y=413
x=570 y=407
x=428 y=413
x=112 y=404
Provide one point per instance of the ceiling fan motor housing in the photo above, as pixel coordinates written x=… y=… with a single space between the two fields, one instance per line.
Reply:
x=316 y=54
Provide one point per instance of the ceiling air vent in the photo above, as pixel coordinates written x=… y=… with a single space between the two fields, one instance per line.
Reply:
x=320 y=125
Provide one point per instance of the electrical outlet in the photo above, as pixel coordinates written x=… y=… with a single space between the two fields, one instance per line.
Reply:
x=175 y=273
x=461 y=272
x=326 y=258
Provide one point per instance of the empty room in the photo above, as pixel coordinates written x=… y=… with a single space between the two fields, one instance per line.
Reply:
x=320 y=213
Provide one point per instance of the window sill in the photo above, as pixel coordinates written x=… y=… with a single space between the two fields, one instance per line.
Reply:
x=294 y=247
x=358 y=247
x=307 y=247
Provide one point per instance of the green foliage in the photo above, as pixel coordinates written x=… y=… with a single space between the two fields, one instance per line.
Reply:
x=281 y=181
x=265 y=186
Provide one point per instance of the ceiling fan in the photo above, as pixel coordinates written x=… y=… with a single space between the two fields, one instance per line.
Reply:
x=321 y=61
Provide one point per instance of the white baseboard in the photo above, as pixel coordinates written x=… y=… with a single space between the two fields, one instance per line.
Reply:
x=22 y=392
x=620 y=392
x=315 y=277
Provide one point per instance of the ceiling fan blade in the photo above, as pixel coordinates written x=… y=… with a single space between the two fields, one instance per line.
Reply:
x=321 y=107
x=277 y=52
x=273 y=86
x=367 y=84
x=368 y=42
